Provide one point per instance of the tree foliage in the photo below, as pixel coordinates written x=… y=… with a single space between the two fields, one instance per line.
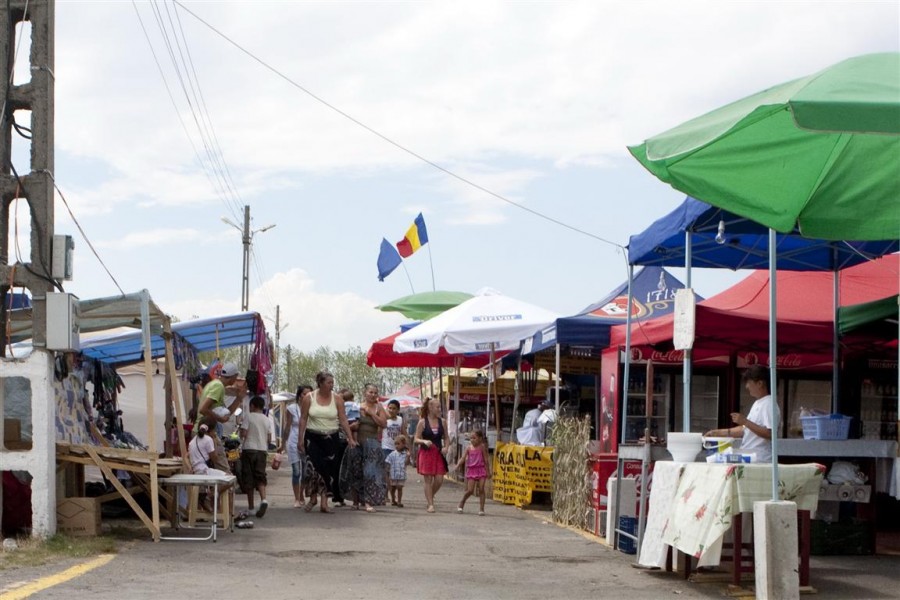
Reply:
x=348 y=367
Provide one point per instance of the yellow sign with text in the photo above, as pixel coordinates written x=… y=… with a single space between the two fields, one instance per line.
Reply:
x=520 y=470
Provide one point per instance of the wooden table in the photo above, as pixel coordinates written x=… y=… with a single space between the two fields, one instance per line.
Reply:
x=144 y=467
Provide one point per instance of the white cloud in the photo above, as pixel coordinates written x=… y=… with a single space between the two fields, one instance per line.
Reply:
x=313 y=318
x=155 y=237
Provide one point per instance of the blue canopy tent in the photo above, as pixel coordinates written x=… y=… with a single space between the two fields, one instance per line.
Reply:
x=654 y=287
x=202 y=334
x=741 y=244
x=698 y=234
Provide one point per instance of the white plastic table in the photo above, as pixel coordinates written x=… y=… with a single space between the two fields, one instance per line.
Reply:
x=216 y=482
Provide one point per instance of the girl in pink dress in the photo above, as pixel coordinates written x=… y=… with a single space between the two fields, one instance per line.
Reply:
x=478 y=469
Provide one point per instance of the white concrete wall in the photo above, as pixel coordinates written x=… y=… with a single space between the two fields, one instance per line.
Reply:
x=40 y=461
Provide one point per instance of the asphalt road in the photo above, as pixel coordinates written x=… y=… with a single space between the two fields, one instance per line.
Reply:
x=407 y=553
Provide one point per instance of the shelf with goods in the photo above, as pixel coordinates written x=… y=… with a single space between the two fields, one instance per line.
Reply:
x=878 y=409
x=642 y=405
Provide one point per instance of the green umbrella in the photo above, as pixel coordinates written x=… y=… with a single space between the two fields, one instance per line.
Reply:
x=425 y=305
x=821 y=153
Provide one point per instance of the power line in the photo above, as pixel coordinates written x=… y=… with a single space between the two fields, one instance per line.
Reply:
x=385 y=138
x=213 y=175
x=83 y=234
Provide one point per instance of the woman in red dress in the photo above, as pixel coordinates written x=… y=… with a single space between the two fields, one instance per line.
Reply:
x=433 y=441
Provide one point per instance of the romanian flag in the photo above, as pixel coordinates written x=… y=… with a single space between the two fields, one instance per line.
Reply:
x=415 y=238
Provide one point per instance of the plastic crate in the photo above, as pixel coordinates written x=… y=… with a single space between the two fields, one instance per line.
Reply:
x=626 y=544
x=826 y=427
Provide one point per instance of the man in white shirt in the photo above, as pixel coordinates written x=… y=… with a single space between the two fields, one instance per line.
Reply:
x=756 y=428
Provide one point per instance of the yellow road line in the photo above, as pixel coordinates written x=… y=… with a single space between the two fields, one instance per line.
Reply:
x=46 y=582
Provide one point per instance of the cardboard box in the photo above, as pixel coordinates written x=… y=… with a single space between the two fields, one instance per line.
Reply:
x=78 y=517
x=12 y=430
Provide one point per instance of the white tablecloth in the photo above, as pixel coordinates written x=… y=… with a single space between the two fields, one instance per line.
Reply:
x=692 y=504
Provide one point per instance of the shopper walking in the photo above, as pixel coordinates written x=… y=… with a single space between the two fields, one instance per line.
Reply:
x=396 y=462
x=321 y=416
x=478 y=469
x=290 y=438
x=255 y=438
x=367 y=461
x=433 y=441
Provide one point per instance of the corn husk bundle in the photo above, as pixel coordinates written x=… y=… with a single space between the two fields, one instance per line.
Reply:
x=571 y=487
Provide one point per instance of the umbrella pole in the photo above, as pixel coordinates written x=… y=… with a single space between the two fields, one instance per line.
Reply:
x=686 y=367
x=512 y=426
x=498 y=423
x=457 y=360
x=773 y=363
x=836 y=354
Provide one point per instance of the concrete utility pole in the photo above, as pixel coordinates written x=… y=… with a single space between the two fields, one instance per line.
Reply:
x=247 y=240
x=36 y=186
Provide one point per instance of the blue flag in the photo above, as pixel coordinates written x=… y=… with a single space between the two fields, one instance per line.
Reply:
x=388 y=259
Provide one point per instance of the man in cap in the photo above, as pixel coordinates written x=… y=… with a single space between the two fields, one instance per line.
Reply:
x=212 y=400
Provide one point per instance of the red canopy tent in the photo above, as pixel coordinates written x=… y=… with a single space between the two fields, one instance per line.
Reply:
x=738 y=317
x=382 y=354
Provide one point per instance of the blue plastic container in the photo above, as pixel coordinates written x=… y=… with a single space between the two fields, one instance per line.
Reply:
x=626 y=544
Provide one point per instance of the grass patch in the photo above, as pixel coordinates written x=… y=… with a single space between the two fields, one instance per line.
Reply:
x=35 y=552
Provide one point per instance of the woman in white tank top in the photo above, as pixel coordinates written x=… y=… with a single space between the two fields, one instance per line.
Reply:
x=321 y=416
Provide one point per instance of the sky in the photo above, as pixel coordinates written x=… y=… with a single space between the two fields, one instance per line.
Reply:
x=339 y=121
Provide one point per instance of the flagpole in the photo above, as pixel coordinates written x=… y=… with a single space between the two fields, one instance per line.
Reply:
x=433 y=287
x=405 y=270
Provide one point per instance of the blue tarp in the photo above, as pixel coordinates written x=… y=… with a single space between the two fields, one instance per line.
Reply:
x=127 y=348
x=745 y=245
x=654 y=295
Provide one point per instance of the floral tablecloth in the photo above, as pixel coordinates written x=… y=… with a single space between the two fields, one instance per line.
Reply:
x=695 y=517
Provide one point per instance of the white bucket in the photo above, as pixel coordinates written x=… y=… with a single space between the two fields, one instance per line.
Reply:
x=684 y=447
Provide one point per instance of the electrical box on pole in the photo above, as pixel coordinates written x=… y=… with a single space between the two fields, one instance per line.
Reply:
x=62 y=322
x=61 y=265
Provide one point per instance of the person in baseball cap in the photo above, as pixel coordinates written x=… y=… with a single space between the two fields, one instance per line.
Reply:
x=212 y=398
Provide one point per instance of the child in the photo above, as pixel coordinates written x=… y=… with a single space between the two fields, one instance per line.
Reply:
x=397 y=461
x=255 y=438
x=477 y=470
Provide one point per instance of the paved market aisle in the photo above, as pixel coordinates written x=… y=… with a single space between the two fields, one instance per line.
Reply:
x=398 y=554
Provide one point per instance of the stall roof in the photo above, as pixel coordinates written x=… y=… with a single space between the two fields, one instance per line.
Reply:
x=98 y=314
x=653 y=292
x=203 y=334
x=878 y=316
x=738 y=317
x=745 y=245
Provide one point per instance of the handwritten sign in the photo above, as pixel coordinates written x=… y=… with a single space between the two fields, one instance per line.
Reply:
x=685 y=309
x=520 y=470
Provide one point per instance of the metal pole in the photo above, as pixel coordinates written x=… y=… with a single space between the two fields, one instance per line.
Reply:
x=623 y=385
x=773 y=363
x=686 y=367
x=836 y=353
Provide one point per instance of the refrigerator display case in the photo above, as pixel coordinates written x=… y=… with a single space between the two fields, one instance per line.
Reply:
x=647 y=408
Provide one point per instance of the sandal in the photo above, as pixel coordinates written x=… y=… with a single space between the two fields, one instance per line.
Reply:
x=399 y=505
x=430 y=509
x=370 y=509
x=326 y=510
x=241 y=516
x=309 y=506
x=244 y=525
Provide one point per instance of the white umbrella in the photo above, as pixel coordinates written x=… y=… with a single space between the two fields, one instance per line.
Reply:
x=405 y=401
x=489 y=321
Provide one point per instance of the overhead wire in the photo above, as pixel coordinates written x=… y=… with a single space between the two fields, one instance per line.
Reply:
x=83 y=234
x=204 y=125
x=389 y=140
x=182 y=75
x=207 y=164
